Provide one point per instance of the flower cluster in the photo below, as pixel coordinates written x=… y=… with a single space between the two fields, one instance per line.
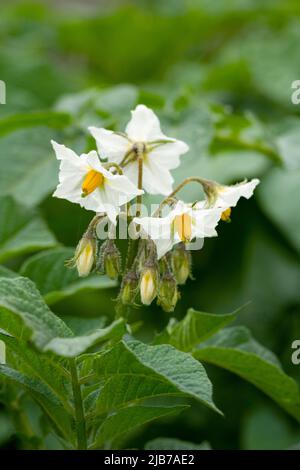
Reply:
x=107 y=182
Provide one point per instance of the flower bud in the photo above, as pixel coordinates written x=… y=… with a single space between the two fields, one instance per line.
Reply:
x=168 y=294
x=211 y=189
x=85 y=255
x=148 y=284
x=129 y=288
x=109 y=260
x=181 y=263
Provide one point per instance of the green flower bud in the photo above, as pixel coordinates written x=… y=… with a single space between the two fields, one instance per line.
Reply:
x=129 y=288
x=109 y=260
x=112 y=266
x=168 y=294
x=181 y=263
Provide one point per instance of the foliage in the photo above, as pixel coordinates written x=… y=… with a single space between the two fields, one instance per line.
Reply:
x=223 y=85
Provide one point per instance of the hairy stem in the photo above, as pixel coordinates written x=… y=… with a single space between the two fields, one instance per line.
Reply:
x=79 y=412
x=140 y=184
x=115 y=166
x=193 y=179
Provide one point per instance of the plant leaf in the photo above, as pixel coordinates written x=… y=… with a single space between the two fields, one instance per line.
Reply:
x=54 y=280
x=279 y=206
x=28 y=167
x=45 y=118
x=71 y=347
x=130 y=418
x=46 y=368
x=134 y=371
x=235 y=350
x=24 y=313
x=45 y=398
x=5 y=272
x=21 y=230
x=166 y=443
x=194 y=328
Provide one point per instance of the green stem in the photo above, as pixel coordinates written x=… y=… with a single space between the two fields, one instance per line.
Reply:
x=204 y=183
x=79 y=412
x=115 y=166
x=140 y=184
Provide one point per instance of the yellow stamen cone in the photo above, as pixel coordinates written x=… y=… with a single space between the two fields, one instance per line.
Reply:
x=93 y=180
x=183 y=226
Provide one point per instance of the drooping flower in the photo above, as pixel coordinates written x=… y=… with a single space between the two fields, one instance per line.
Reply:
x=85 y=181
x=142 y=136
x=182 y=224
x=226 y=197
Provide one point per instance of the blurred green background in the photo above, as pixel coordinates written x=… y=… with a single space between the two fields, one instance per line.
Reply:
x=219 y=75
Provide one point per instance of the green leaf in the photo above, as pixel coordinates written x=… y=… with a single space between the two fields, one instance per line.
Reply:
x=45 y=118
x=242 y=131
x=235 y=350
x=5 y=272
x=29 y=168
x=167 y=443
x=54 y=280
x=277 y=198
x=135 y=371
x=21 y=230
x=83 y=325
x=72 y=347
x=128 y=419
x=6 y=428
x=194 y=328
x=256 y=430
x=24 y=312
x=45 y=398
x=43 y=366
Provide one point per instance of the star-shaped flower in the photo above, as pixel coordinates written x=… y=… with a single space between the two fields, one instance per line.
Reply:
x=182 y=224
x=85 y=181
x=142 y=135
x=227 y=197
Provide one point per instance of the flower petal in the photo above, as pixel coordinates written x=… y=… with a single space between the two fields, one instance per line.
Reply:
x=64 y=153
x=156 y=179
x=205 y=222
x=168 y=154
x=163 y=247
x=122 y=185
x=228 y=196
x=131 y=171
x=144 y=125
x=110 y=145
x=101 y=201
x=159 y=230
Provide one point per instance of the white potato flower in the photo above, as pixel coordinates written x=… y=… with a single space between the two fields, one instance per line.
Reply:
x=182 y=224
x=83 y=180
x=143 y=134
x=228 y=196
